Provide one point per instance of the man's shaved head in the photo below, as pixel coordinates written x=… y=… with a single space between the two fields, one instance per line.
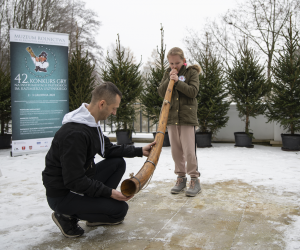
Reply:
x=106 y=91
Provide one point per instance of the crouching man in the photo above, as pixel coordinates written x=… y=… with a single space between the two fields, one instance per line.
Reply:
x=76 y=187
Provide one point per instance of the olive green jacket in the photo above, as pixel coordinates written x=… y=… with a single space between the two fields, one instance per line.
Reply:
x=183 y=109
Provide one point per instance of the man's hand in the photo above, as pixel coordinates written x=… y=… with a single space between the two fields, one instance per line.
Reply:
x=147 y=149
x=119 y=196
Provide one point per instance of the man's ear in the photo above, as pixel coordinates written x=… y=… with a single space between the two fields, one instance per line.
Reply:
x=101 y=104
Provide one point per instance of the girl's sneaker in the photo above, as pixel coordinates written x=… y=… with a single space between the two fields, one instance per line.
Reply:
x=180 y=185
x=194 y=188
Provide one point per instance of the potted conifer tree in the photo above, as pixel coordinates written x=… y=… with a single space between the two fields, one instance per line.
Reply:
x=5 y=106
x=248 y=88
x=150 y=99
x=212 y=106
x=125 y=74
x=284 y=104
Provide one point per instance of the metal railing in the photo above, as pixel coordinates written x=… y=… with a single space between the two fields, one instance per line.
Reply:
x=141 y=124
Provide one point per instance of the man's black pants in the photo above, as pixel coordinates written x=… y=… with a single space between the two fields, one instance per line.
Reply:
x=100 y=209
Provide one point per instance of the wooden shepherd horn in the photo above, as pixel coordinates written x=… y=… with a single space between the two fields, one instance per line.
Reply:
x=133 y=185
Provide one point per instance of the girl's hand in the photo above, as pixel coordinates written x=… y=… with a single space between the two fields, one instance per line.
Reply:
x=174 y=77
x=173 y=72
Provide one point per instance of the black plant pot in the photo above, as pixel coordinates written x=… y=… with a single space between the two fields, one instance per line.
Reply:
x=203 y=140
x=5 y=141
x=243 y=140
x=124 y=137
x=166 y=142
x=290 y=142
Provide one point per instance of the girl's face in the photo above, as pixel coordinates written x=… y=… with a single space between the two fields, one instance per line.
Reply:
x=176 y=62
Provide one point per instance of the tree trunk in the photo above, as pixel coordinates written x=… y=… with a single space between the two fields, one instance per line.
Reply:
x=2 y=125
x=247 y=124
x=269 y=65
x=292 y=128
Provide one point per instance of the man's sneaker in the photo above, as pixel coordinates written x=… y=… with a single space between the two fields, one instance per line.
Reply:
x=194 y=188
x=95 y=224
x=179 y=186
x=67 y=225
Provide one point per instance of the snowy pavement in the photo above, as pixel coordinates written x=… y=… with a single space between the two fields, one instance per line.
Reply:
x=26 y=218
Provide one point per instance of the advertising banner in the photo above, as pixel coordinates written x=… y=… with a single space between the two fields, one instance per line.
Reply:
x=39 y=88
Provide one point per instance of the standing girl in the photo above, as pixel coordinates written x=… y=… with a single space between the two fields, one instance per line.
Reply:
x=182 y=119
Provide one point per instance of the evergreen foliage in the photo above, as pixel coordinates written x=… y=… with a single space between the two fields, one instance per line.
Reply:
x=150 y=99
x=5 y=99
x=125 y=74
x=212 y=106
x=248 y=85
x=81 y=79
x=284 y=104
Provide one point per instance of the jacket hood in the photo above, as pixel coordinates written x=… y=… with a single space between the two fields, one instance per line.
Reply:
x=83 y=116
x=80 y=115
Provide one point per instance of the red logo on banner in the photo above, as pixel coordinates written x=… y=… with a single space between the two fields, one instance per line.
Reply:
x=30 y=147
x=23 y=148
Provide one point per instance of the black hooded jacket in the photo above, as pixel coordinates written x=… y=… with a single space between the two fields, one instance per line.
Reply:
x=70 y=162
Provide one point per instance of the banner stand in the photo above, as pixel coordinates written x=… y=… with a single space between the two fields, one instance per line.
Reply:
x=39 y=88
x=20 y=147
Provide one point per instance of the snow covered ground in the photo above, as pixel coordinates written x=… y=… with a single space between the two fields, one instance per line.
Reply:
x=25 y=216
